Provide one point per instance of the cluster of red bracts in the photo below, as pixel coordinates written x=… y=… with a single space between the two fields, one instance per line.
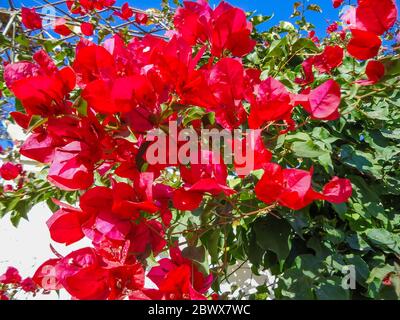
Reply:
x=292 y=188
x=122 y=88
x=369 y=20
x=366 y=22
x=12 y=280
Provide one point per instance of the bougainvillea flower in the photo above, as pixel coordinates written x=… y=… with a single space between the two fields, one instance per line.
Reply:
x=313 y=37
x=226 y=83
x=21 y=119
x=177 y=285
x=45 y=95
x=178 y=278
x=87 y=276
x=84 y=6
x=116 y=217
x=162 y=194
x=292 y=188
x=193 y=20
x=332 y=27
x=271 y=102
x=9 y=171
x=87 y=28
x=3 y=296
x=375 y=71
x=364 y=44
x=226 y=27
x=20 y=70
x=93 y=63
x=231 y=31
x=26 y=69
x=147 y=236
x=187 y=200
x=141 y=18
x=31 y=19
x=46 y=64
x=124 y=94
x=129 y=86
x=72 y=167
x=46 y=276
x=337 y=190
x=105 y=226
x=28 y=285
x=177 y=67
x=65 y=225
x=331 y=58
x=270 y=187
x=125 y=278
x=42 y=144
x=337 y=3
x=125 y=13
x=199 y=179
x=40 y=147
x=60 y=27
x=11 y=276
x=251 y=79
x=376 y=16
x=128 y=202
x=322 y=102
x=260 y=155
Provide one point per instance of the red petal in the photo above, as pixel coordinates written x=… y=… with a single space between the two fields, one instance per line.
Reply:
x=271 y=102
x=46 y=276
x=337 y=190
x=376 y=16
x=364 y=45
x=324 y=100
x=375 y=71
x=65 y=226
x=87 y=28
x=186 y=200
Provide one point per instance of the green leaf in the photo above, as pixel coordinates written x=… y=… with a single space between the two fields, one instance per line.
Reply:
x=197 y=254
x=286 y=26
x=254 y=251
x=332 y=290
x=314 y=7
x=259 y=19
x=384 y=239
x=273 y=234
x=192 y=114
x=304 y=43
x=277 y=47
x=307 y=149
x=361 y=267
x=356 y=242
x=363 y=161
x=299 y=136
x=380 y=273
x=294 y=285
x=211 y=241
x=36 y=122
x=22 y=40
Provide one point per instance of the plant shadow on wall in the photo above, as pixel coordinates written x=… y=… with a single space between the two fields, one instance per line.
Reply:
x=320 y=208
